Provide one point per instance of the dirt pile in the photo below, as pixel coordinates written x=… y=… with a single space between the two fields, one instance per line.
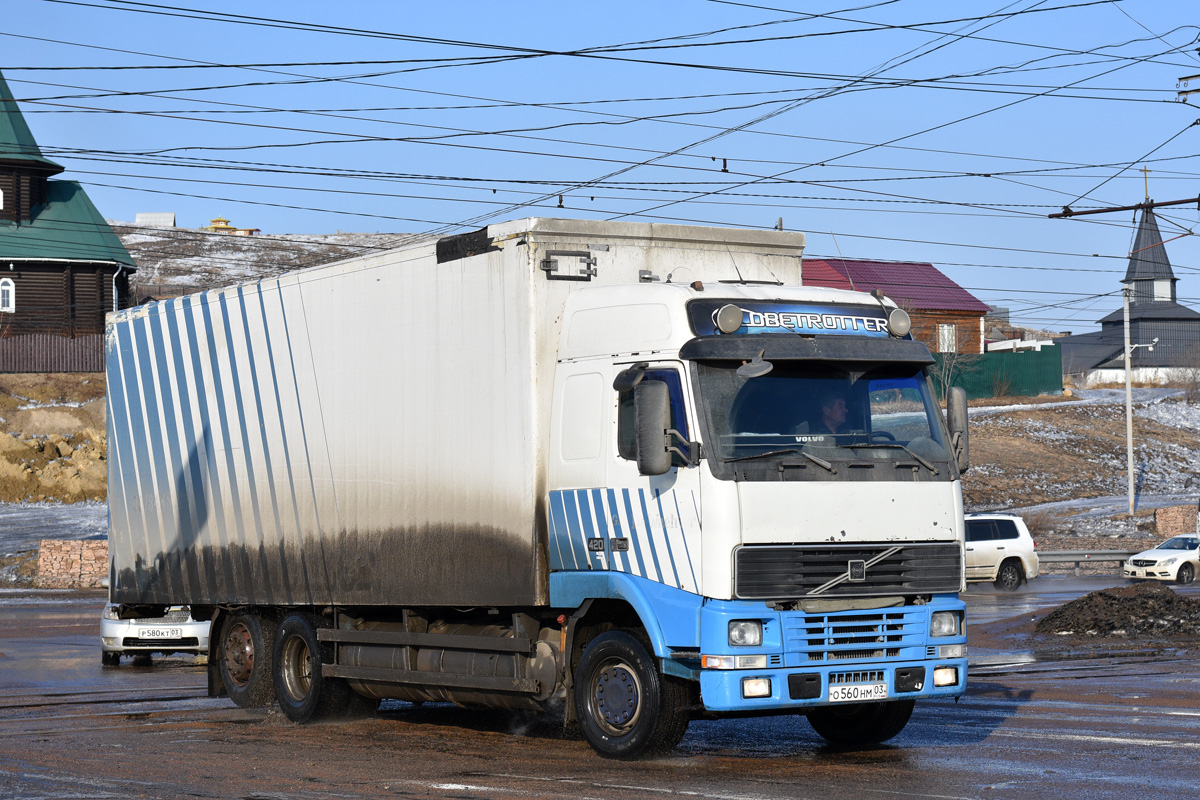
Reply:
x=1141 y=610
x=52 y=440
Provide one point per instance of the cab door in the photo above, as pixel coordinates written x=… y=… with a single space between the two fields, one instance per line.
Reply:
x=653 y=523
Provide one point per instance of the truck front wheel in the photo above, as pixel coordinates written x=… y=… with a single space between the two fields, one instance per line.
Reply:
x=304 y=694
x=860 y=723
x=626 y=708
x=245 y=662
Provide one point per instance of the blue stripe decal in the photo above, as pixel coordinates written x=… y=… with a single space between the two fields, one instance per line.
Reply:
x=595 y=560
x=614 y=511
x=636 y=537
x=662 y=520
x=683 y=531
x=571 y=512
x=577 y=515
x=609 y=555
x=649 y=535
x=558 y=527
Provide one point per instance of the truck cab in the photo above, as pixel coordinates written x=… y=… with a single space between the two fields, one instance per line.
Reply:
x=764 y=476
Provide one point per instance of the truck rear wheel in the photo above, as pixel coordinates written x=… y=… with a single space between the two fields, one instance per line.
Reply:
x=861 y=723
x=245 y=663
x=626 y=708
x=304 y=694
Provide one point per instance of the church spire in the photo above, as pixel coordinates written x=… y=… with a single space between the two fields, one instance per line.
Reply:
x=1149 y=273
x=17 y=145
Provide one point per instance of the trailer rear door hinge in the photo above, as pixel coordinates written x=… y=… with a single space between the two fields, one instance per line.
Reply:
x=556 y=272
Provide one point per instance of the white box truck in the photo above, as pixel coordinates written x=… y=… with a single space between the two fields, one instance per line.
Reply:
x=635 y=472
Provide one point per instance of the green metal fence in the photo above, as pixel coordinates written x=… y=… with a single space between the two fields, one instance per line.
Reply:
x=1006 y=374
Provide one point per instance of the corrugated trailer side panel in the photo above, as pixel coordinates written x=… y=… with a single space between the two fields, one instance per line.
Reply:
x=355 y=434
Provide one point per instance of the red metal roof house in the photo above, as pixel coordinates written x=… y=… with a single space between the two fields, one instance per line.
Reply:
x=946 y=317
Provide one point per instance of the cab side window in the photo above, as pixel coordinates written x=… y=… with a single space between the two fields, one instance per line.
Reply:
x=626 y=435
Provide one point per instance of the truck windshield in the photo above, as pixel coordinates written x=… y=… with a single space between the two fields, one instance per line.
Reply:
x=816 y=420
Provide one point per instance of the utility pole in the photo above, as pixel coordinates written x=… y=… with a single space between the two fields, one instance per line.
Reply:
x=1129 y=347
x=1128 y=399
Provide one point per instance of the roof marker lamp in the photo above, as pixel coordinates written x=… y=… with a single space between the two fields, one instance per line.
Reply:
x=899 y=323
x=729 y=318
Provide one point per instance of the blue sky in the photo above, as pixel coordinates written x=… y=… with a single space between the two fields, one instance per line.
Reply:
x=931 y=131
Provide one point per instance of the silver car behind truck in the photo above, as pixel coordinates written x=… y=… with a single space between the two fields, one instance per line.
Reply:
x=176 y=632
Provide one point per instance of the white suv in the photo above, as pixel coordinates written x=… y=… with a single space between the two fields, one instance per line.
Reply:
x=1000 y=549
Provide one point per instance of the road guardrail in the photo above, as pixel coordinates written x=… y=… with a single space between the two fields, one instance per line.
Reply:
x=1079 y=557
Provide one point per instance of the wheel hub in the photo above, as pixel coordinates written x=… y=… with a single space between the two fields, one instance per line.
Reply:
x=617 y=695
x=239 y=655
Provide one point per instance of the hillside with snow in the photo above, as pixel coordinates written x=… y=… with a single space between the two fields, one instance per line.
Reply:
x=174 y=261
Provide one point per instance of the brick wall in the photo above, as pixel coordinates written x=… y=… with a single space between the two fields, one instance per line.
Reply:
x=64 y=564
x=1175 y=520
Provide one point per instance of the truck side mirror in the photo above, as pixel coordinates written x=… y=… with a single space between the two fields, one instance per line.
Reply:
x=956 y=421
x=651 y=419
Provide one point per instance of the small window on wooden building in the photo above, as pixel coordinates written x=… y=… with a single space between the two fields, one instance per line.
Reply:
x=947 y=338
x=8 y=295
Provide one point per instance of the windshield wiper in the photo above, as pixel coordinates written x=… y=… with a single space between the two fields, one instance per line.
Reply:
x=767 y=454
x=820 y=462
x=898 y=446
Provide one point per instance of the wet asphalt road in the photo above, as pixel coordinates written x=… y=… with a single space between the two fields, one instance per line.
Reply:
x=1117 y=722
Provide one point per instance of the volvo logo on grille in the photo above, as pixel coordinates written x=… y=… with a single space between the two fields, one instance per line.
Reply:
x=856 y=571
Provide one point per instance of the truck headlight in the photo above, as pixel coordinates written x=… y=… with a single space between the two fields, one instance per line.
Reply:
x=944 y=623
x=745 y=633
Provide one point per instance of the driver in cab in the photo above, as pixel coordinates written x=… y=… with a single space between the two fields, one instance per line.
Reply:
x=832 y=414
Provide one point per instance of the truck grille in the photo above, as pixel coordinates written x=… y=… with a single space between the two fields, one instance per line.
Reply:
x=779 y=573
x=854 y=636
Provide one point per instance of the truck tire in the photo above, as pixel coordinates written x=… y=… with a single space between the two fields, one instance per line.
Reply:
x=304 y=694
x=245 y=662
x=626 y=708
x=1009 y=576
x=861 y=723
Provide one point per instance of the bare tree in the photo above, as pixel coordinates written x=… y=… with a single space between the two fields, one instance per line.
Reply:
x=1189 y=376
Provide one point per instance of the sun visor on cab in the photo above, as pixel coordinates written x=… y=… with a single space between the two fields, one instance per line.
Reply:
x=785 y=347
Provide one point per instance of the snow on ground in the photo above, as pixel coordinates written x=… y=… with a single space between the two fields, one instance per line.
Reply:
x=23 y=525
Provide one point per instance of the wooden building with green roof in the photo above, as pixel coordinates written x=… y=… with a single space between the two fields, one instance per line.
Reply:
x=62 y=268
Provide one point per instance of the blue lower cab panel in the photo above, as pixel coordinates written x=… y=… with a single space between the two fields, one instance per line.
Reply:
x=721 y=690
